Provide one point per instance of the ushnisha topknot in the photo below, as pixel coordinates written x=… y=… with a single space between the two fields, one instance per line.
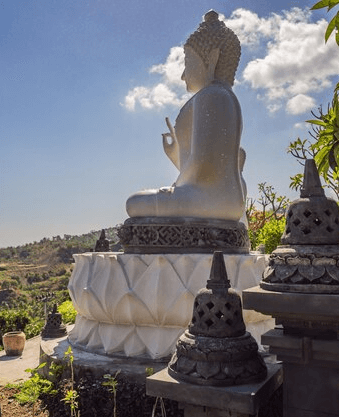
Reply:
x=213 y=33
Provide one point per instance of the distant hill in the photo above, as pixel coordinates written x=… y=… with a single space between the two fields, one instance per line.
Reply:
x=52 y=251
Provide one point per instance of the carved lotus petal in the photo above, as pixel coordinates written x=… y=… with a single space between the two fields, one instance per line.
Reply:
x=285 y=271
x=236 y=371
x=304 y=261
x=268 y=273
x=279 y=260
x=333 y=272
x=323 y=262
x=311 y=272
x=208 y=369
x=185 y=365
x=293 y=260
x=297 y=278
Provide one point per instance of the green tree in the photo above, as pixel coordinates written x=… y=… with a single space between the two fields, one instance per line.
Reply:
x=323 y=146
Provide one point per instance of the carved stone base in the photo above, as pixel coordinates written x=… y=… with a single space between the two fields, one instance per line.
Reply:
x=183 y=235
x=218 y=362
x=138 y=305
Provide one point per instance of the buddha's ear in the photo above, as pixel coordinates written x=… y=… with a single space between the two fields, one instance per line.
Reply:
x=213 y=57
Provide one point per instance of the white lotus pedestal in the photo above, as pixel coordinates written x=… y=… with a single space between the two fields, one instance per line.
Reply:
x=138 y=305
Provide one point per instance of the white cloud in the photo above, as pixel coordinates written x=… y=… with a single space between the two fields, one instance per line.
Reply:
x=171 y=89
x=300 y=104
x=302 y=125
x=173 y=67
x=294 y=63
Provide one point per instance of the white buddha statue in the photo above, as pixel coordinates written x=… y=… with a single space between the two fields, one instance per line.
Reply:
x=204 y=144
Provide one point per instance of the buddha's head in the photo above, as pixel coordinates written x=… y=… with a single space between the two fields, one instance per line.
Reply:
x=212 y=52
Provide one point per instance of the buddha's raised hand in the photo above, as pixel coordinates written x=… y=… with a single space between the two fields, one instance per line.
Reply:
x=171 y=147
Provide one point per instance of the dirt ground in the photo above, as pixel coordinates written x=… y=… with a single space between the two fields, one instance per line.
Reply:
x=11 y=408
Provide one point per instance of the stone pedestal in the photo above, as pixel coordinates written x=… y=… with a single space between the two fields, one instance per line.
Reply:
x=311 y=374
x=307 y=344
x=138 y=305
x=209 y=401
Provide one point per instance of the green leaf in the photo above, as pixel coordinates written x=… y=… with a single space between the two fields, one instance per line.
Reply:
x=331 y=4
x=320 y=4
x=330 y=28
x=316 y=122
x=321 y=158
x=336 y=152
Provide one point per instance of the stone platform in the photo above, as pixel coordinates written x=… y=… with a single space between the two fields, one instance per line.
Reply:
x=91 y=365
x=138 y=305
x=238 y=401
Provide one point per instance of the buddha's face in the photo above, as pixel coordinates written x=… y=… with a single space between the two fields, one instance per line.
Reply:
x=195 y=73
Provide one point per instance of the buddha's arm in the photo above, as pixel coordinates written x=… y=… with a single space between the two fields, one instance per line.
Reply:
x=171 y=147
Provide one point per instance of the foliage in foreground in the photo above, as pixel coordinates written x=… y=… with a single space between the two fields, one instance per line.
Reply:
x=334 y=23
x=323 y=146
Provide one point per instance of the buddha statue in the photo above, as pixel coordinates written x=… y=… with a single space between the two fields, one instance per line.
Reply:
x=204 y=144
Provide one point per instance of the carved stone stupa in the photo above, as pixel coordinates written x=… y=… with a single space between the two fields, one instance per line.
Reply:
x=201 y=211
x=300 y=289
x=308 y=259
x=216 y=349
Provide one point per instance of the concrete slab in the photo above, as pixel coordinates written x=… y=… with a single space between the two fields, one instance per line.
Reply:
x=12 y=368
x=92 y=365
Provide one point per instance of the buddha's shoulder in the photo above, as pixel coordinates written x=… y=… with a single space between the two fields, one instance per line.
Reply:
x=216 y=90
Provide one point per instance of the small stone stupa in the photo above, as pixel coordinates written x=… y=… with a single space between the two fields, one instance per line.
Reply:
x=102 y=244
x=54 y=326
x=216 y=349
x=308 y=259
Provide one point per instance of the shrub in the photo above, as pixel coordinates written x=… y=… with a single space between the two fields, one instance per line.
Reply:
x=34 y=328
x=12 y=320
x=68 y=312
x=270 y=234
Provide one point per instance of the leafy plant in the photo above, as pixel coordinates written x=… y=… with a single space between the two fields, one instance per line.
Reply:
x=272 y=207
x=12 y=319
x=270 y=234
x=68 y=312
x=334 y=23
x=323 y=146
x=112 y=383
x=71 y=396
x=149 y=371
x=30 y=390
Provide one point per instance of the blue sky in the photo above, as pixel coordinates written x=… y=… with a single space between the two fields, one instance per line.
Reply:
x=86 y=86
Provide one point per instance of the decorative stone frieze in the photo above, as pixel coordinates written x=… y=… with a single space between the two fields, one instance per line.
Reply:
x=179 y=235
x=305 y=269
